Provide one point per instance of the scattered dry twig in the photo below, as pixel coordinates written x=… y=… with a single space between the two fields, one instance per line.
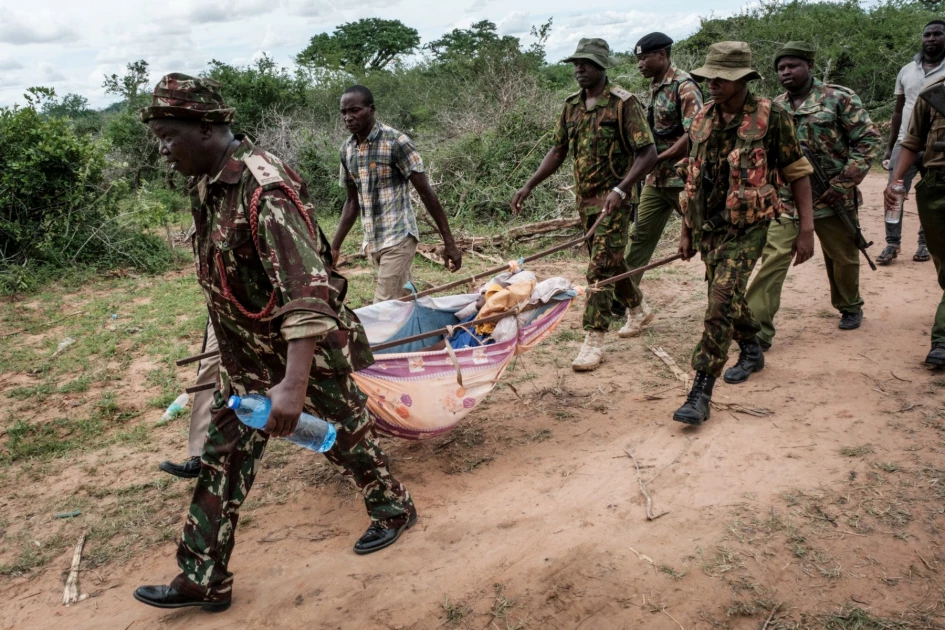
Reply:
x=71 y=593
x=774 y=611
x=55 y=321
x=668 y=360
x=649 y=501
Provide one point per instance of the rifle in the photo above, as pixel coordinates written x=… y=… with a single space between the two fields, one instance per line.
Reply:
x=820 y=183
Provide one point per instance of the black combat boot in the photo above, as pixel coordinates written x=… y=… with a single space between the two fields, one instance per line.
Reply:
x=696 y=409
x=751 y=359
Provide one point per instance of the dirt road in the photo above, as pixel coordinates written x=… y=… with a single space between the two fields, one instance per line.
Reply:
x=822 y=504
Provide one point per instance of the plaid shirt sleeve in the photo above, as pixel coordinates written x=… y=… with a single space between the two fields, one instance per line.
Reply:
x=344 y=177
x=405 y=157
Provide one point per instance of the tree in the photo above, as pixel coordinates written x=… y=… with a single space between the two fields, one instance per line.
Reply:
x=471 y=43
x=128 y=86
x=258 y=88
x=368 y=44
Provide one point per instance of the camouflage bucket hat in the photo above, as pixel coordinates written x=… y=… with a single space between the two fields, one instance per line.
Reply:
x=596 y=50
x=727 y=60
x=185 y=97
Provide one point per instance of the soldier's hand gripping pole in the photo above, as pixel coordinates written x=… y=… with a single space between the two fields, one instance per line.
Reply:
x=820 y=183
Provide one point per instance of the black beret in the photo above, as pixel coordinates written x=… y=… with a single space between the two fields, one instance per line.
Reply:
x=652 y=43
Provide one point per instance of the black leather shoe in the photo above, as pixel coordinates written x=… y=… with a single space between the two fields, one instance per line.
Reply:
x=167 y=597
x=751 y=359
x=696 y=409
x=936 y=358
x=850 y=321
x=188 y=469
x=377 y=537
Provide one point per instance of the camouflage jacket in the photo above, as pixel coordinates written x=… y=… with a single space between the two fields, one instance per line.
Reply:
x=673 y=104
x=834 y=124
x=601 y=160
x=734 y=168
x=926 y=128
x=309 y=296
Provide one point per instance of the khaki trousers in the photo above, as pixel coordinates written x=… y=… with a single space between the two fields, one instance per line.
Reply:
x=841 y=259
x=393 y=269
x=208 y=371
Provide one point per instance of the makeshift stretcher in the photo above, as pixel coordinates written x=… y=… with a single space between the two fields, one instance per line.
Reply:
x=432 y=368
x=420 y=388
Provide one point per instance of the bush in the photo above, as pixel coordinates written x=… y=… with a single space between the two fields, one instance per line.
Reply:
x=56 y=207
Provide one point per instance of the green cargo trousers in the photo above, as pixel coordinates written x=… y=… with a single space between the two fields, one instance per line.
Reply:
x=228 y=467
x=930 y=198
x=606 y=251
x=729 y=259
x=656 y=207
x=841 y=258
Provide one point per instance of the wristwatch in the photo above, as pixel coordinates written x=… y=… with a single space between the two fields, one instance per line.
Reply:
x=622 y=194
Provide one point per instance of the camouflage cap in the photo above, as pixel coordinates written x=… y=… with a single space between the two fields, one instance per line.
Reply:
x=727 y=60
x=801 y=50
x=185 y=97
x=596 y=50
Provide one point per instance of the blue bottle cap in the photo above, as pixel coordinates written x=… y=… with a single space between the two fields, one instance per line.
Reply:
x=234 y=402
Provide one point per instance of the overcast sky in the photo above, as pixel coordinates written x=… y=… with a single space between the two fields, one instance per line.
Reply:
x=70 y=44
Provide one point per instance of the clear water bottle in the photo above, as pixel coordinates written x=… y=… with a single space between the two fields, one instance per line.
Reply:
x=894 y=214
x=313 y=433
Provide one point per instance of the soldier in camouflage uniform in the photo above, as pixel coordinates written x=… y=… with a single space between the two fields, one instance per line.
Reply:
x=282 y=328
x=926 y=132
x=674 y=100
x=831 y=120
x=739 y=145
x=605 y=129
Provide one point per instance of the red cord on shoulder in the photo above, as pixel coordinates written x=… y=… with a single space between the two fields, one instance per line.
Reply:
x=254 y=229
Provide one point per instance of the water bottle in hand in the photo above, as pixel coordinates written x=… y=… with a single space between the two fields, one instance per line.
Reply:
x=313 y=433
x=894 y=214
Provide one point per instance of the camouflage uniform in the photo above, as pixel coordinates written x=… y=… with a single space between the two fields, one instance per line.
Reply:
x=927 y=129
x=603 y=156
x=834 y=124
x=278 y=264
x=673 y=103
x=729 y=225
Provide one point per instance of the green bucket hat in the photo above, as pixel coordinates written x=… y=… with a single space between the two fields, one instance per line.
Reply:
x=727 y=60
x=801 y=50
x=596 y=50
x=185 y=97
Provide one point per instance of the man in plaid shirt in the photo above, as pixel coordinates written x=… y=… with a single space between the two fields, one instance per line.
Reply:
x=377 y=161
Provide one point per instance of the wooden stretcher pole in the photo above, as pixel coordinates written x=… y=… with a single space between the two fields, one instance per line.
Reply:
x=485 y=320
x=634 y=272
x=505 y=267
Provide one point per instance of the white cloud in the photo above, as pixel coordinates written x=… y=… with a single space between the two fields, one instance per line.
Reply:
x=311 y=8
x=48 y=73
x=515 y=23
x=9 y=63
x=478 y=5
x=230 y=10
x=274 y=38
x=37 y=28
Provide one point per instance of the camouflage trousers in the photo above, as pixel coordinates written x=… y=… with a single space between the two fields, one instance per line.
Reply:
x=607 y=260
x=228 y=468
x=729 y=259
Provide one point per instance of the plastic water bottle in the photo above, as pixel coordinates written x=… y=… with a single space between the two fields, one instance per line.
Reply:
x=894 y=214
x=179 y=403
x=313 y=433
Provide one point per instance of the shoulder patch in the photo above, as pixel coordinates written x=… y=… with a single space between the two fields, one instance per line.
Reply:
x=264 y=172
x=621 y=93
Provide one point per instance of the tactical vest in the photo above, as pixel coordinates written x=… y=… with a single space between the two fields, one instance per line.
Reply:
x=751 y=197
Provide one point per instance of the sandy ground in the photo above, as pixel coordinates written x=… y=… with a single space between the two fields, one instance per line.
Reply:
x=531 y=515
